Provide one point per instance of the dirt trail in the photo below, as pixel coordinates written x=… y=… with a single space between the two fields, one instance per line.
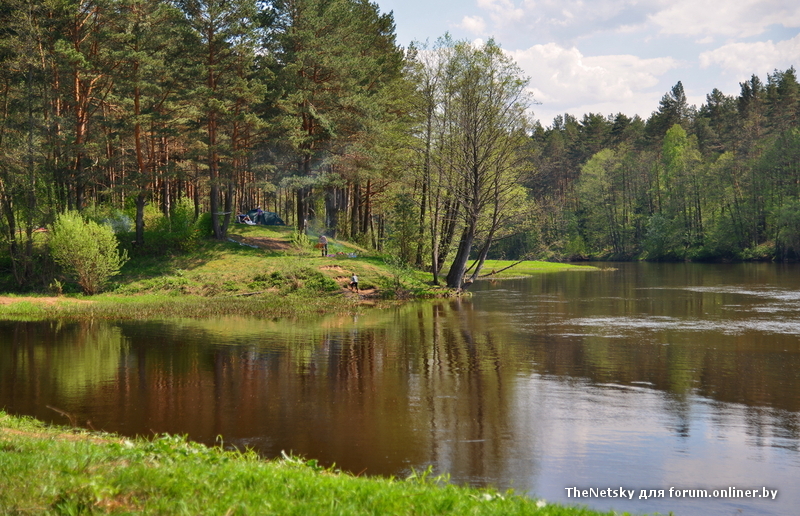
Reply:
x=270 y=244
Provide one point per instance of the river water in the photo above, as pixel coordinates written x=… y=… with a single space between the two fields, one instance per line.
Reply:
x=635 y=377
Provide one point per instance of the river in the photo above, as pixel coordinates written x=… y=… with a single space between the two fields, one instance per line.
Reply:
x=637 y=377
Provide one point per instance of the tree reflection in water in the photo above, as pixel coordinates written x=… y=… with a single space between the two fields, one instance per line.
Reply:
x=532 y=385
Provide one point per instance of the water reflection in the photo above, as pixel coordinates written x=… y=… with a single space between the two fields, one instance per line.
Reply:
x=643 y=376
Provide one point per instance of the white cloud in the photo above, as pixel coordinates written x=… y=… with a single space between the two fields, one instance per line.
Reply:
x=758 y=57
x=710 y=44
x=563 y=20
x=569 y=20
x=563 y=79
x=502 y=10
x=738 y=18
x=473 y=24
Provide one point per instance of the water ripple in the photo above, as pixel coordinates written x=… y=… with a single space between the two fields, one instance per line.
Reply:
x=661 y=323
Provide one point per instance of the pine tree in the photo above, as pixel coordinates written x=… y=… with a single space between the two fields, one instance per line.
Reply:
x=334 y=59
x=149 y=36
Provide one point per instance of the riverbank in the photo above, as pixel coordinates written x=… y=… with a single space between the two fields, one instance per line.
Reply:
x=56 y=470
x=259 y=270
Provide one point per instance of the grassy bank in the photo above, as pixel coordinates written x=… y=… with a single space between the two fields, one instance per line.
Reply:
x=52 y=470
x=259 y=270
x=503 y=269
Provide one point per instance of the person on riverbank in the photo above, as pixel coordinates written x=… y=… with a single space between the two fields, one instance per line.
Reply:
x=354 y=283
x=323 y=244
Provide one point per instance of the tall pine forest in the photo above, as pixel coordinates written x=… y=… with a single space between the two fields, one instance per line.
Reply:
x=162 y=118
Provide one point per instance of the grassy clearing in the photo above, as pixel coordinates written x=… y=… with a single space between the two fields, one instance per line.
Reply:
x=526 y=268
x=50 y=470
x=258 y=261
x=260 y=270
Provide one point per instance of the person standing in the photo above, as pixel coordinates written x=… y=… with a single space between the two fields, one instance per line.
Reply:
x=354 y=283
x=323 y=244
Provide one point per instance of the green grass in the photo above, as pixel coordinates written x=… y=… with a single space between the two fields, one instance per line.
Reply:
x=219 y=269
x=288 y=277
x=159 y=306
x=527 y=268
x=51 y=470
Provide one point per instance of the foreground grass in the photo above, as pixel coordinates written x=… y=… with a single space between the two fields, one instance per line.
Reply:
x=49 y=470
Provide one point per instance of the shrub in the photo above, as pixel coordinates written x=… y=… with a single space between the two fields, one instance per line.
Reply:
x=315 y=281
x=86 y=250
x=300 y=279
x=177 y=233
x=300 y=240
x=205 y=226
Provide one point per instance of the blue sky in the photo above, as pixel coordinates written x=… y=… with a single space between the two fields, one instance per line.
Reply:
x=611 y=56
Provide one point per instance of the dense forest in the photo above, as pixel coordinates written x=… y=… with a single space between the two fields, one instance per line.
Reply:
x=163 y=117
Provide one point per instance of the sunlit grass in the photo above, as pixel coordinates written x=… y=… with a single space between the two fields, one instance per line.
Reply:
x=261 y=271
x=21 y=309
x=160 y=306
x=527 y=268
x=49 y=470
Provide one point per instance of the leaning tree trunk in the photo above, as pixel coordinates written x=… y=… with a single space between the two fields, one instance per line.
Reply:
x=455 y=278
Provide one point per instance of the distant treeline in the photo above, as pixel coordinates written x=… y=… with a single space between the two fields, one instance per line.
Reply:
x=718 y=182
x=131 y=111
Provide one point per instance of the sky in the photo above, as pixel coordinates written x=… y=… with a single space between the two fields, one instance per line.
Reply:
x=617 y=56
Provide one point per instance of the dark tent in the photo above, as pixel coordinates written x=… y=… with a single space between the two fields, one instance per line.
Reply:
x=267 y=218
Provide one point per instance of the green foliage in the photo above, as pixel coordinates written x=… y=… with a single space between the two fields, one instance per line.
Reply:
x=518 y=246
x=721 y=241
x=309 y=280
x=327 y=77
x=204 y=226
x=176 y=234
x=179 y=232
x=273 y=279
x=575 y=248
x=398 y=285
x=299 y=280
x=661 y=242
x=300 y=240
x=789 y=229
x=760 y=252
x=403 y=228
x=86 y=250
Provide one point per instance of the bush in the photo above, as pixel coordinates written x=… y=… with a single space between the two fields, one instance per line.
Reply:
x=178 y=233
x=205 y=226
x=300 y=240
x=86 y=250
x=302 y=280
